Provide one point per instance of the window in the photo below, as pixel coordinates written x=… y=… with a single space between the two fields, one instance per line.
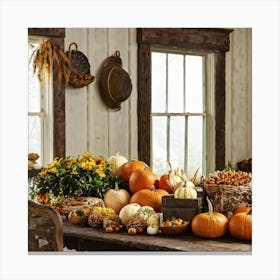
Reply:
x=40 y=110
x=181 y=97
x=179 y=111
x=46 y=104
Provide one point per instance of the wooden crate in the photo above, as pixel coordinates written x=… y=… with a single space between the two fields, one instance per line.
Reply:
x=182 y=208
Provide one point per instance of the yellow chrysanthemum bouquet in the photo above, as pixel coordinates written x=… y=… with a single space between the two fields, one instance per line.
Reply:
x=84 y=175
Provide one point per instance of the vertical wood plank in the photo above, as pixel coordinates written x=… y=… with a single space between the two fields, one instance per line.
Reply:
x=98 y=113
x=133 y=130
x=228 y=114
x=220 y=111
x=118 y=120
x=239 y=96
x=76 y=101
x=249 y=92
x=144 y=102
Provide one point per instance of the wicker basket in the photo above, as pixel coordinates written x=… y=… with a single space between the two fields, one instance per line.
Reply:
x=226 y=198
x=175 y=230
x=80 y=75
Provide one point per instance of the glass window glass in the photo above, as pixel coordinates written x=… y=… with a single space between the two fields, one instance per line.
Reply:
x=177 y=141
x=195 y=144
x=159 y=144
x=34 y=135
x=158 y=82
x=194 y=83
x=175 y=83
x=33 y=83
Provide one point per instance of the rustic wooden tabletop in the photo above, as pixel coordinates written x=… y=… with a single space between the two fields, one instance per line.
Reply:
x=93 y=239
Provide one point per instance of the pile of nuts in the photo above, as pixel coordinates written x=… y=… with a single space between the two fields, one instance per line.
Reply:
x=233 y=178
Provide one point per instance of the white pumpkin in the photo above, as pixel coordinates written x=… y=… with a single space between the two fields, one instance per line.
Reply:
x=144 y=212
x=116 y=198
x=128 y=212
x=153 y=220
x=185 y=192
x=153 y=230
x=190 y=184
x=117 y=162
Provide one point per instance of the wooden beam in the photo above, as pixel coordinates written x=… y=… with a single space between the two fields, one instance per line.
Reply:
x=204 y=39
x=47 y=32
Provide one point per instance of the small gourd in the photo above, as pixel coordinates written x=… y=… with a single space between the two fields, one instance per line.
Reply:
x=117 y=162
x=153 y=220
x=186 y=191
x=144 y=212
x=153 y=229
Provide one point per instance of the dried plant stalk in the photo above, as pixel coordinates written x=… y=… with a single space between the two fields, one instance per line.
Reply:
x=44 y=57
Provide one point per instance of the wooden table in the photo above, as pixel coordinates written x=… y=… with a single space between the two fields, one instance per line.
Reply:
x=92 y=239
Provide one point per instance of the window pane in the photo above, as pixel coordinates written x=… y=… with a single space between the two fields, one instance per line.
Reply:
x=159 y=144
x=175 y=83
x=33 y=84
x=34 y=135
x=177 y=141
x=194 y=83
x=195 y=144
x=158 y=82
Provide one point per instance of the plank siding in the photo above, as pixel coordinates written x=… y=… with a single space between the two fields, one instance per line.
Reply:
x=76 y=101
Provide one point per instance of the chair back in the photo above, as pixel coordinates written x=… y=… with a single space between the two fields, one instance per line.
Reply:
x=45 y=228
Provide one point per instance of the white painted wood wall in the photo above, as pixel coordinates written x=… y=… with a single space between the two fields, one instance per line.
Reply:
x=91 y=126
x=239 y=96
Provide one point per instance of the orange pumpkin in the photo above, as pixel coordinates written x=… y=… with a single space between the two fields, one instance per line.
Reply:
x=210 y=224
x=164 y=183
x=240 y=226
x=141 y=179
x=241 y=209
x=151 y=197
x=130 y=167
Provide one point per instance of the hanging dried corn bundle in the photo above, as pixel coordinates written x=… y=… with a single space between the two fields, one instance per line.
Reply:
x=44 y=57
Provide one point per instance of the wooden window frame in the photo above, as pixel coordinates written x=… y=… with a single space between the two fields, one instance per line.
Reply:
x=210 y=40
x=57 y=36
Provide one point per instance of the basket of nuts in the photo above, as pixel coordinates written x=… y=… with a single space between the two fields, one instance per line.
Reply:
x=228 y=190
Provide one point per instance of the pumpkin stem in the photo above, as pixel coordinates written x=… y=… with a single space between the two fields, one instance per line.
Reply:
x=210 y=206
x=170 y=167
x=250 y=212
x=116 y=186
x=153 y=188
x=195 y=175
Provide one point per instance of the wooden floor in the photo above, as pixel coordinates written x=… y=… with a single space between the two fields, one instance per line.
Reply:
x=92 y=239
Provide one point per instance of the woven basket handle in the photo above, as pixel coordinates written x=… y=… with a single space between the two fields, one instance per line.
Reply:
x=69 y=49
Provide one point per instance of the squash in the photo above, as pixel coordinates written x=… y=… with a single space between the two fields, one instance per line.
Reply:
x=186 y=191
x=130 y=167
x=141 y=179
x=210 y=224
x=241 y=208
x=170 y=181
x=240 y=226
x=116 y=198
x=144 y=212
x=128 y=212
x=153 y=230
x=151 y=197
x=117 y=162
x=153 y=220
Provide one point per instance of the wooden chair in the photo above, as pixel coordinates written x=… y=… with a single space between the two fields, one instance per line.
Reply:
x=45 y=228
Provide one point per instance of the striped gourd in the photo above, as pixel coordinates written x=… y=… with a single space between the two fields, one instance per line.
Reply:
x=185 y=192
